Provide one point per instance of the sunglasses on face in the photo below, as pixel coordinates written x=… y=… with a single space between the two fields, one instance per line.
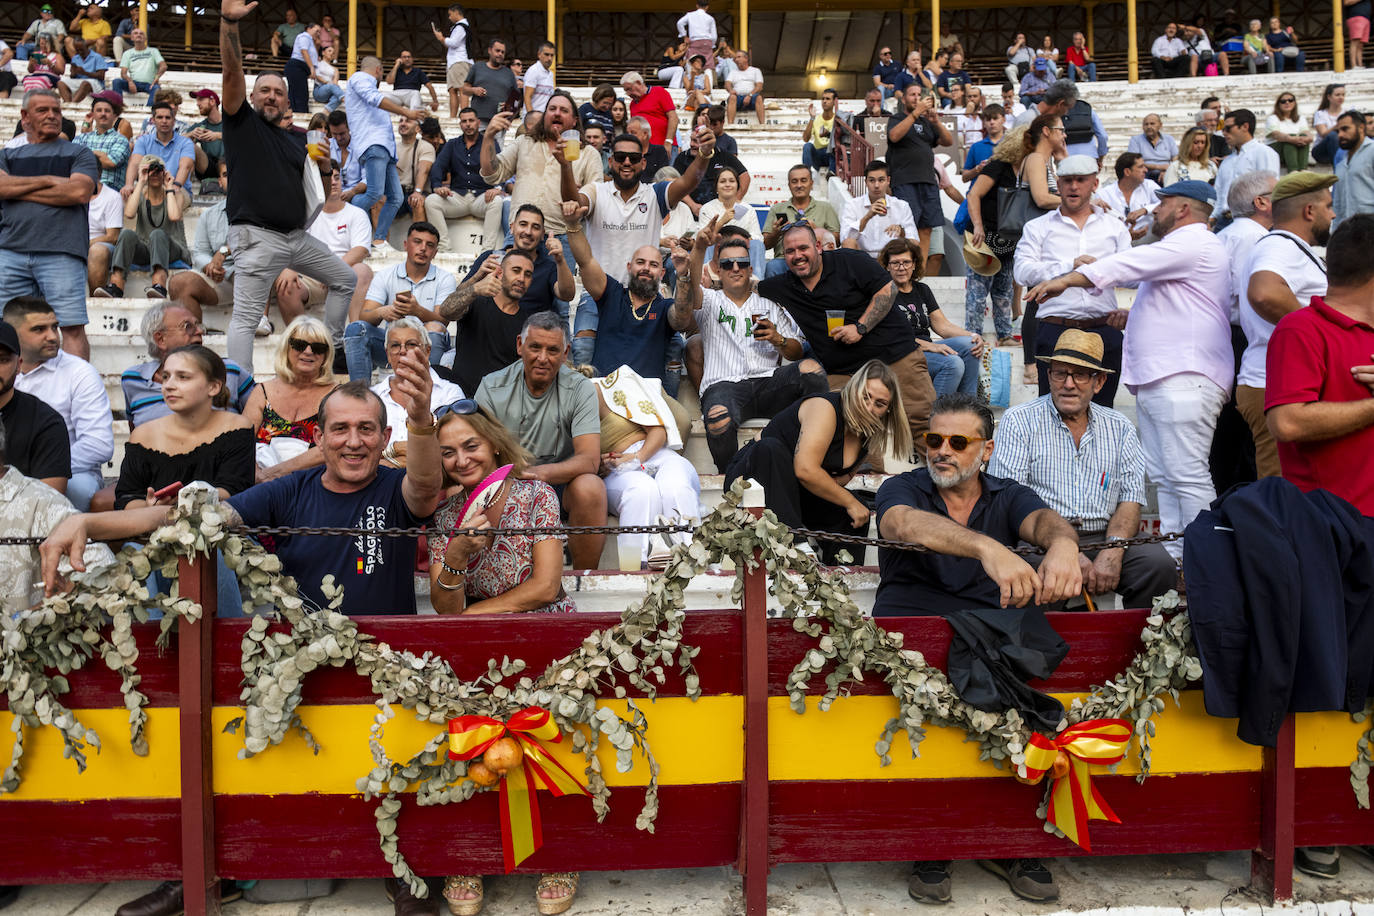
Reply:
x=622 y=156
x=958 y=443
x=314 y=346
x=463 y=407
x=734 y=264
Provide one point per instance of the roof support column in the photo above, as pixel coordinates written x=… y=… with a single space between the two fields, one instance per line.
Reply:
x=352 y=36
x=934 y=27
x=1337 y=36
x=1132 y=46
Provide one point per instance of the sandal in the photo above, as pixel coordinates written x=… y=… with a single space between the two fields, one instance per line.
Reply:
x=457 y=883
x=561 y=880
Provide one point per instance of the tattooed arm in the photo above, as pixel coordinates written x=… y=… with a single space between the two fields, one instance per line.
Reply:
x=231 y=53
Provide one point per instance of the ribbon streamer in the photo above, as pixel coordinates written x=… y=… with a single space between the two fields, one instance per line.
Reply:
x=521 y=830
x=1074 y=800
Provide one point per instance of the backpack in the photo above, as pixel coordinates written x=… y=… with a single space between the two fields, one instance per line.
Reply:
x=470 y=43
x=1078 y=123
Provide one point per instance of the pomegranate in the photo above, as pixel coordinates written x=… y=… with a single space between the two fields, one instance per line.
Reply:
x=504 y=755
x=482 y=774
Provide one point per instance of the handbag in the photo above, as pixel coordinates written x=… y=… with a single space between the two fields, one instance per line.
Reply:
x=996 y=377
x=1015 y=208
x=1289 y=50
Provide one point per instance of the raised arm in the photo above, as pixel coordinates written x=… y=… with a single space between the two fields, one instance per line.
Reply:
x=232 y=94
x=413 y=389
x=593 y=277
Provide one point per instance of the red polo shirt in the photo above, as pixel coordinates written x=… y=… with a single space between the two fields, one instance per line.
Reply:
x=653 y=107
x=1310 y=357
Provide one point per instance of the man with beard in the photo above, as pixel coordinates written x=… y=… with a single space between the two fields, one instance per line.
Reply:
x=36 y=434
x=1282 y=273
x=1176 y=357
x=1354 y=191
x=536 y=160
x=624 y=215
x=969 y=521
x=552 y=281
x=489 y=319
x=266 y=200
x=1251 y=154
x=459 y=190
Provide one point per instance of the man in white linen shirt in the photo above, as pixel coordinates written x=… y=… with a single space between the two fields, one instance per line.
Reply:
x=374 y=143
x=457 y=63
x=871 y=220
x=1250 y=154
x=1075 y=234
x=1283 y=273
x=745 y=339
x=1177 y=355
x=1134 y=197
x=1084 y=460
x=699 y=28
x=1169 y=54
x=69 y=385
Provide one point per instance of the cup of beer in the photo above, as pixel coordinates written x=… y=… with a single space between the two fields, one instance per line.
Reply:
x=834 y=318
x=572 y=145
x=316 y=146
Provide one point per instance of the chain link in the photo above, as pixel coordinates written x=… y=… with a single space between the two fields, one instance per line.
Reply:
x=1027 y=550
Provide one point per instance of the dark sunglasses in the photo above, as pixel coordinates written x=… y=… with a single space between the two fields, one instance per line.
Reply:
x=958 y=443
x=735 y=264
x=1287 y=101
x=314 y=346
x=622 y=156
x=463 y=407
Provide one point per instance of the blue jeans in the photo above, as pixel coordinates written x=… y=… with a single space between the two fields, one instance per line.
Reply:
x=24 y=49
x=976 y=291
x=954 y=373
x=124 y=87
x=59 y=278
x=379 y=171
x=775 y=267
x=814 y=158
x=331 y=94
x=1290 y=63
x=83 y=485
x=365 y=350
x=1088 y=71
x=586 y=319
x=1324 y=150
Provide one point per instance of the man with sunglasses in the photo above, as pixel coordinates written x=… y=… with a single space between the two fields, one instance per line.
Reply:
x=1249 y=154
x=166 y=326
x=1084 y=460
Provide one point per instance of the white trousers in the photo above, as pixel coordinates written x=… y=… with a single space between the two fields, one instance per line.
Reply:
x=1177 y=418
x=666 y=484
x=410 y=98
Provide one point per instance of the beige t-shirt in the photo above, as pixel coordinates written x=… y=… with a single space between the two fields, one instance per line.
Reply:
x=409 y=157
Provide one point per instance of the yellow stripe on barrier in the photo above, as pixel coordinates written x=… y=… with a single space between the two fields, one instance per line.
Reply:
x=695 y=743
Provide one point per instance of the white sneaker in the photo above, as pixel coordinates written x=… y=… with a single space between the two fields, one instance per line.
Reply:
x=264 y=327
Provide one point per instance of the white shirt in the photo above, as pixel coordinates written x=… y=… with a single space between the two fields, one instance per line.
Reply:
x=697 y=25
x=540 y=79
x=1015 y=111
x=743 y=217
x=106 y=211
x=31 y=508
x=456 y=45
x=1292 y=259
x=1165 y=46
x=1253 y=156
x=1320 y=118
x=744 y=82
x=1238 y=237
x=727 y=337
x=1180 y=321
x=616 y=228
x=303 y=50
x=9 y=66
x=325 y=72
x=348 y=229
x=1291 y=128
x=445 y=392
x=1048 y=246
x=1142 y=198
x=970 y=127
x=874 y=236
x=367 y=122
x=72 y=387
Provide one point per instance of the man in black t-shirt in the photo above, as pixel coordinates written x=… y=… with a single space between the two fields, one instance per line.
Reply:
x=490 y=317
x=912 y=136
x=266 y=204
x=850 y=281
x=36 y=435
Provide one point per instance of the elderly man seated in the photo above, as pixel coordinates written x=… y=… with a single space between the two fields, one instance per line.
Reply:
x=166 y=326
x=1085 y=461
x=553 y=411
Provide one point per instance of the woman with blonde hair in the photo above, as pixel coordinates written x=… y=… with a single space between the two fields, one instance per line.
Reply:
x=285 y=411
x=485 y=574
x=808 y=453
x=1193 y=162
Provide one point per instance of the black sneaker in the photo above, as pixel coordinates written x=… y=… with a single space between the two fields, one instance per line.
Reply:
x=1027 y=878
x=1318 y=861
x=929 y=882
x=156 y=291
x=109 y=291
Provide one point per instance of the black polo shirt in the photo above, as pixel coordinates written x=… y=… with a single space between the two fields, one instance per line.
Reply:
x=911 y=160
x=913 y=584
x=849 y=280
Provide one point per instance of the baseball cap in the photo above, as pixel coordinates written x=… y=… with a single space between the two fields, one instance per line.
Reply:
x=206 y=94
x=115 y=100
x=9 y=337
x=1295 y=184
x=1071 y=166
x=1041 y=63
x=1197 y=190
x=45 y=8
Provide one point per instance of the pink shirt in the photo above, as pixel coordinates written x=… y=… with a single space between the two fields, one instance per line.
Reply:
x=1180 y=321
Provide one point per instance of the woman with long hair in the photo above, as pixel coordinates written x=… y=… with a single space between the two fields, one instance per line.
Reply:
x=698 y=83
x=506 y=574
x=808 y=453
x=46 y=65
x=734 y=212
x=620 y=118
x=953 y=359
x=287 y=407
x=1193 y=163
x=327 y=88
x=1288 y=133
x=671 y=64
x=1324 y=123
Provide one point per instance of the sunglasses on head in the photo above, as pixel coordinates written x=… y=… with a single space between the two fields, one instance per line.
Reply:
x=958 y=443
x=314 y=346
x=623 y=156
x=735 y=264
x=462 y=407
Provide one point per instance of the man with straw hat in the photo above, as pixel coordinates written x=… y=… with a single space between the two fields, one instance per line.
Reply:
x=1084 y=460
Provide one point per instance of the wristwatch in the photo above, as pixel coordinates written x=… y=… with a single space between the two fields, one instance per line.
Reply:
x=861 y=328
x=223 y=251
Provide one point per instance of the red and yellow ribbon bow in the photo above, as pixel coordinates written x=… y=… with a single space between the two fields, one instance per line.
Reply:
x=1074 y=800
x=470 y=736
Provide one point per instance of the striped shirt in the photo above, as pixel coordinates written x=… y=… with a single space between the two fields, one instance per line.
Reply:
x=143 y=396
x=727 y=336
x=1085 y=481
x=113 y=144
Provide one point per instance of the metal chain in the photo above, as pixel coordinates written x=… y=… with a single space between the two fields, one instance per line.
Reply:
x=1027 y=550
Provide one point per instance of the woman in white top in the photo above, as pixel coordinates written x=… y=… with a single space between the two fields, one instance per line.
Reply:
x=1049 y=52
x=1193 y=163
x=1288 y=133
x=327 y=88
x=728 y=204
x=1324 y=123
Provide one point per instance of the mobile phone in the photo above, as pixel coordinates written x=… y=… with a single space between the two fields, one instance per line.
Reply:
x=168 y=492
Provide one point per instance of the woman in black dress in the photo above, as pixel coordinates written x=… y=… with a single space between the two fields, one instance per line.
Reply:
x=809 y=452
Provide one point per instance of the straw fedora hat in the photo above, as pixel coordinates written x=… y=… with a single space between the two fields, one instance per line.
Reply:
x=1078 y=348
x=980 y=258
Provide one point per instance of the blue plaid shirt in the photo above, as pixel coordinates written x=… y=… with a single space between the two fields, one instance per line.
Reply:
x=113 y=144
